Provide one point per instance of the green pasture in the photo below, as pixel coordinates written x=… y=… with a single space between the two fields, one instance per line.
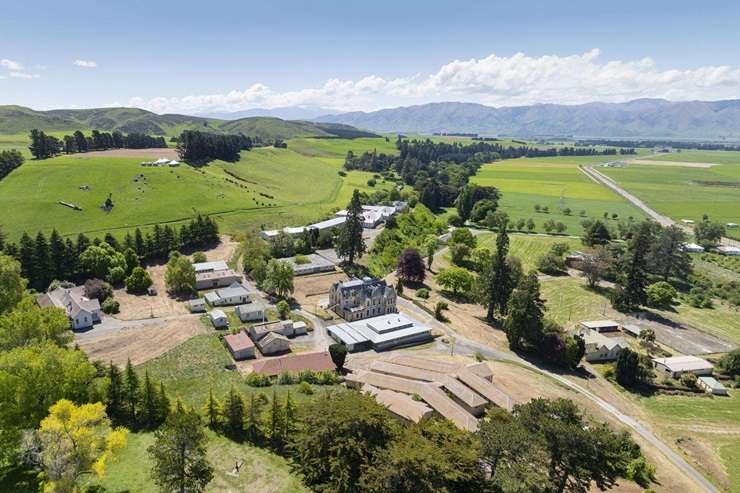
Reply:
x=262 y=471
x=268 y=187
x=687 y=193
x=556 y=183
x=528 y=248
x=716 y=157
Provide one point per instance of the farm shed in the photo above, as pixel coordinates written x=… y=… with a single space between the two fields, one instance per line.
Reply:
x=273 y=343
x=692 y=248
x=399 y=404
x=315 y=264
x=282 y=327
x=239 y=345
x=729 y=251
x=320 y=361
x=601 y=348
x=711 y=385
x=678 y=365
x=214 y=266
x=601 y=325
x=250 y=312
x=197 y=305
x=219 y=319
x=632 y=329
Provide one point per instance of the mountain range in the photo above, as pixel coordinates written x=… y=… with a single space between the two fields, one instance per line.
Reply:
x=649 y=118
x=19 y=119
x=284 y=113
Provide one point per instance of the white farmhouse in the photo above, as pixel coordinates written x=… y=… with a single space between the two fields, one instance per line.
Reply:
x=82 y=311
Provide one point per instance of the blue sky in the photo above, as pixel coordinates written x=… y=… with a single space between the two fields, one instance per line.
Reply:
x=233 y=55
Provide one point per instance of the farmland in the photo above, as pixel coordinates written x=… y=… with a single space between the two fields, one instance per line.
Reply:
x=542 y=181
x=687 y=193
x=268 y=186
x=528 y=248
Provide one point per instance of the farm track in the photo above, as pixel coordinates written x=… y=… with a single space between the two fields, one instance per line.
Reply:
x=660 y=218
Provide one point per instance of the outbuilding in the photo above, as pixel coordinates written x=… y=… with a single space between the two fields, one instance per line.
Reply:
x=678 y=365
x=692 y=248
x=250 y=312
x=273 y=343
x=601 y=325
x=235 y=294
x=730 y=251
x=711 y=385
x=197 y=305
x=239 y=345
x=219 y=319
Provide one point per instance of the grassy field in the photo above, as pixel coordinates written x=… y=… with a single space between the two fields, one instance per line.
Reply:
x=687 y=193
x=715 y=157
x=262 y=471
x=528 y=248
x=569 y=301
x=302 y=187
x=543 y=181
x=197 y=366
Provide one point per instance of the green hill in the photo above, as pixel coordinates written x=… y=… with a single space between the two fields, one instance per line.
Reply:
x=19 y=119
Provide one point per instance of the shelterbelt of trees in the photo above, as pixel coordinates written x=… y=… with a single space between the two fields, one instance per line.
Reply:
x=439 y=170
x=45 y=146
x=44 y=260
x=701 y=146
x=196 y=147
x=9 y=160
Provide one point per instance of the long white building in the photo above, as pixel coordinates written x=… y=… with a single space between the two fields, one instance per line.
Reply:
x=380 y=333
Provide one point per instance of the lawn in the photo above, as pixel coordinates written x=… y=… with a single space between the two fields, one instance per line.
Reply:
x=262 y=471
x=268 y=187
x=687 y=193
x=555 y=183
x=528 y=248
x=570 y=301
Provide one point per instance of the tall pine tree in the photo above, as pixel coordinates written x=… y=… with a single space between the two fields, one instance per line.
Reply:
x=349 y=243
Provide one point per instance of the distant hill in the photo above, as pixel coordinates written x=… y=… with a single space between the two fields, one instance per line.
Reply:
x=285 y=113
x=639 y=118
x=19 y=119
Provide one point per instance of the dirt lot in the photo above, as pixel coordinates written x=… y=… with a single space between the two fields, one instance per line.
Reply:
x=143 y=153
x=309 y=290
x=142 y=343
x=672 y=163
x=163 y=305
x=686 y=339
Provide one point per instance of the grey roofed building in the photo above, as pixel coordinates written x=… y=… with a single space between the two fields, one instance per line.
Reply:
x=380 y=333
x=296 y=231
x=197 y=305
x=601 y=325
x=711 y=385
x=218 y=319
x=214 y=266
x=357 y=299
x=216 y=279
x=288 y=328
x=250 y=312
x=632 y=329
x=273 y=343
x=315 y=264
x=82 y=311
x=235 y=294
x=600 y=347
x=678 y=365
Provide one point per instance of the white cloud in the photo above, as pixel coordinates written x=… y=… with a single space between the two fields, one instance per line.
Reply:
x=86 y=63
x=24 y=75
x=495 y=80
x=10 y=64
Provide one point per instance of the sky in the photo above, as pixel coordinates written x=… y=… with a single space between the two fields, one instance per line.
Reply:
x=200 y=57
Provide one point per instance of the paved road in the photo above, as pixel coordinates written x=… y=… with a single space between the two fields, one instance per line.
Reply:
x=663 y=220
x=469 y=347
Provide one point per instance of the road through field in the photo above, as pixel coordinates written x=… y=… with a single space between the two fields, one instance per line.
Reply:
x=466 y=346
x=589 y=171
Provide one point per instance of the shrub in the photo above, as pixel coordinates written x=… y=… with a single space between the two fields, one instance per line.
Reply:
x=342 y=173
x=116 y=275
x=301 y=260
x=305 y=388
x=609 y=373
x=286 y=378
x=110 y=306
x=640 y=471
x=660 y=294
x=98 y=289
x=416 y=397
x=479 y=357
x=455 y=220
x=371 y=182
x=327 y=377
x=438 y=309
x=139 y=281
x=338 y=352
x=551 y=264
x=283 y=309
x=308 y=376
x=422 y=293
x=255 y=379
x=459 y=252
x=688 y=380
x=199 y=257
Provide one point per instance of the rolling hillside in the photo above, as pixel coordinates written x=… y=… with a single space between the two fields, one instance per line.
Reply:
x=654 y=118
x=19 y=119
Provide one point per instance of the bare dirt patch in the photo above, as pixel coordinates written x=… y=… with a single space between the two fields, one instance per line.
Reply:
x=703 y=454
x=137 y=307
x=309 y=290
x=683 y=164
x=155 y=153
x=142 y=343
x=225 y=250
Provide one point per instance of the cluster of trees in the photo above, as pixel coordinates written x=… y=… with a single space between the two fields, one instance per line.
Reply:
x=44 y=146
x=708 y=233
x=702 y=146
x=133 y=402
x=9 y=160
x=194 y=146
x=46 y=259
